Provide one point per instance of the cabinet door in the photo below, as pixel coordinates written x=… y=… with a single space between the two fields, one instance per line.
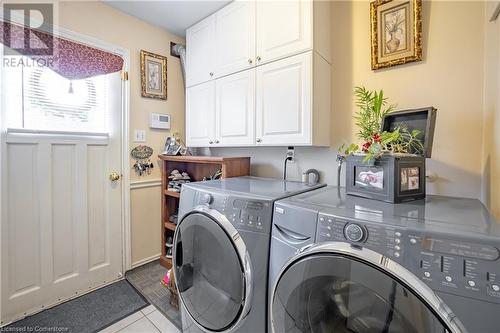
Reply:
x=283 y=28
x=200 y=115
x=200 y=52
x=235 y=38
x=283 y=112
x=235 y=109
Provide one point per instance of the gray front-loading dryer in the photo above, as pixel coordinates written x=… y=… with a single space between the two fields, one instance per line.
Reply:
x=221 y=252
x=347 y=264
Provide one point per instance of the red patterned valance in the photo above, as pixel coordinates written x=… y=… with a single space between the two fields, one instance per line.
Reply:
x=72 y=60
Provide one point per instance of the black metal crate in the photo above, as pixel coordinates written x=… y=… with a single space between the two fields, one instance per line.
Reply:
x=394 y=177
x=423 y=119
x=390 y=178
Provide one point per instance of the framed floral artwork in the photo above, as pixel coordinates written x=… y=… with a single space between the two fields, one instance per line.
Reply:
x=396 y=32
x=153 y=75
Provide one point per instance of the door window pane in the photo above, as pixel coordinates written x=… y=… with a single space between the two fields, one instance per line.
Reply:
x=38 y=98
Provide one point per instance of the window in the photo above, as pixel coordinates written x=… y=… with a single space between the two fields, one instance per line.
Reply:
x=37 y=98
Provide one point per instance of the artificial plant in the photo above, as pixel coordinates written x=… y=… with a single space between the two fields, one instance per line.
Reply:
x=373 y=107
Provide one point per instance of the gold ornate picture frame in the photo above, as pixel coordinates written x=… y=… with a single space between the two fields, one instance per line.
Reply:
x=153 y=75
x=396 y=32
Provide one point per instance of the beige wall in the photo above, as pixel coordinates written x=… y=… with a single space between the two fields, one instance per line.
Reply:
x=101 y=21
x=146 y=217
x=491 y=132
x=449 y=78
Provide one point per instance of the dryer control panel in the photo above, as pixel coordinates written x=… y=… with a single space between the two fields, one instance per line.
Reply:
x=244 y=213
x=457 y=266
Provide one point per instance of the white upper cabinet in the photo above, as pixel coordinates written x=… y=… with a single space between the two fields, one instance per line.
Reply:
x=235 y=109
x=284 y=28
x=200 y=52
x=200 y=115
x=293 y=101
x=284 y=91
x=235 y=38
x=258 y=73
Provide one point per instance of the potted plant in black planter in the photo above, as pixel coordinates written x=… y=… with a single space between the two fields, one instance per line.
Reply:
x=389 y=162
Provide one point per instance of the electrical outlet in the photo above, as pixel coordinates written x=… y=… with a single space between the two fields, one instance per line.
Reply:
x=291 y=153
x=139 y=135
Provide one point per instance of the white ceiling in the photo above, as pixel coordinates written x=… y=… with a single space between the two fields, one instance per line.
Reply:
x=172 y=15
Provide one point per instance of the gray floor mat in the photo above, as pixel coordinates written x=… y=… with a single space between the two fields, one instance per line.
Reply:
x=89 y=313
x=147 y=280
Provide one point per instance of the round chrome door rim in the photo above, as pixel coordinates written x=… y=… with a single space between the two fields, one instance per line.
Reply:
x=242 y=253
x=385 y=264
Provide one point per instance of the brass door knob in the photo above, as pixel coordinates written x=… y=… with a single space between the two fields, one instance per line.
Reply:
x=114 y=176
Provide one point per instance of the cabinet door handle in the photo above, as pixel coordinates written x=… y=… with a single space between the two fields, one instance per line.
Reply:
x=211 y=73
x=258 y=58
x=250 y=61
x=210 y=142
x=216 y=141
x=258 y=140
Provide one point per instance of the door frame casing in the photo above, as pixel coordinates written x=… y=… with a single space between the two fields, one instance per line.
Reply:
x=124 y=151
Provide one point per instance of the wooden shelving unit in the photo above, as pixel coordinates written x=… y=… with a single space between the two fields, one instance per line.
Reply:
x=197 y=167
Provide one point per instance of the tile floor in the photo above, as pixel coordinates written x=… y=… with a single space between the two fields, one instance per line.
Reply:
x=147 y=320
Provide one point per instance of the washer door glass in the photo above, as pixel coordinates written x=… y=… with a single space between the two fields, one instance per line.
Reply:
x=335 y=293
x=209 y=272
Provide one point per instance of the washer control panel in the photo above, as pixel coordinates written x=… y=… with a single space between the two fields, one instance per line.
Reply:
x=383 y=239
x=460 y=267
x=456 y=266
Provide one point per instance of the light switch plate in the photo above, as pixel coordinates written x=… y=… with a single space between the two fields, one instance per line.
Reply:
x=139 y=135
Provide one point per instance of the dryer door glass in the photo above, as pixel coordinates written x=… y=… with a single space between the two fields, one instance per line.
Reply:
x=209 y=273
x=334 y=293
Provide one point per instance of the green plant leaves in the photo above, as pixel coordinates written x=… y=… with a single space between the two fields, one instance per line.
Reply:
x=372 y=109
x=351 y=149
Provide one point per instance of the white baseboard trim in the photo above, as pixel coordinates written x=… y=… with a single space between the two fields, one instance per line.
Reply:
x=145 y=183
x=145 y=260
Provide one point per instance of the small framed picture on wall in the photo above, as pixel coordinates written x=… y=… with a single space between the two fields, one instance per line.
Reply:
x=153 y=75
x=396 y=32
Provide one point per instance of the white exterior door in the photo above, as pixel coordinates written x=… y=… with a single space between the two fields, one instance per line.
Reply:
x=200 y=52
x=283 y=112
x=283 y=28
x=200 y=115
x=235 y=38
x=235 y=109
x=61 y=213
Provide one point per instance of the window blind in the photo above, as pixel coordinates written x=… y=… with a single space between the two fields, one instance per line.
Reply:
x=52 y=102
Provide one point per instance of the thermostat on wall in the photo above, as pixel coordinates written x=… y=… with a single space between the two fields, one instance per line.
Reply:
x=159 y=121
